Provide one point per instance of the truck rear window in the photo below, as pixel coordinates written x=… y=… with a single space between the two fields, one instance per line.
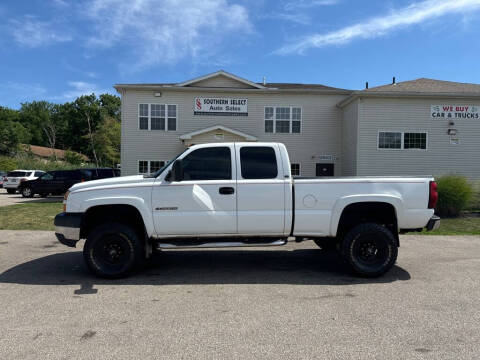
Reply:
x=258 y=162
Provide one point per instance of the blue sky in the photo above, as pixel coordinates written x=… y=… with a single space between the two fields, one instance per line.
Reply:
x=59 y=49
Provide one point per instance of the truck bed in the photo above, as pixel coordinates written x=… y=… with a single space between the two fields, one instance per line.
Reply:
x=318 y=203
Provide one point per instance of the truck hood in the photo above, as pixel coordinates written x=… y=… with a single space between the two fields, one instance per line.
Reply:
x=112 y=182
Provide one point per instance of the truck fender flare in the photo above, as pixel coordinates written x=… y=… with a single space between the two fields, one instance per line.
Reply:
x=136 y=202
x=343 y=202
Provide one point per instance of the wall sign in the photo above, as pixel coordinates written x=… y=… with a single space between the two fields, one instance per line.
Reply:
x=220 y=106
x=454 y=112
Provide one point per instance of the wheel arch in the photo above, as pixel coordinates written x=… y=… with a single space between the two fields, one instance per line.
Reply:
x=132 y=210
x=350 y=203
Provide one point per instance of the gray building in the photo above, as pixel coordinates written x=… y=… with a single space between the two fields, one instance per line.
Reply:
x=415 y=127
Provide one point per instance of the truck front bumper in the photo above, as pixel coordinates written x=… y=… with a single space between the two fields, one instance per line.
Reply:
x=433 y=223
x=67 y=228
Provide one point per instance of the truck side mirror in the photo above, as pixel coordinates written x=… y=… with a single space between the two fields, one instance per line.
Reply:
x=177 y=171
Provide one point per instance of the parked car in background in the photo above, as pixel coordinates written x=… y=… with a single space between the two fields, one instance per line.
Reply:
x=59 y=181
x=16 y=177
x=2 y=175
x=103 y=173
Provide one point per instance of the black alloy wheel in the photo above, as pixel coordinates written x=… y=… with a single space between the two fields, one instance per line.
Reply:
x=370 y=249
x=113 y=250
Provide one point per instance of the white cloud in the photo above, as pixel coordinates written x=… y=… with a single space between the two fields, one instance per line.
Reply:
x=415 y=13
x=30 y=32
x=79 y=88
x=164 y=31
x=305 y=4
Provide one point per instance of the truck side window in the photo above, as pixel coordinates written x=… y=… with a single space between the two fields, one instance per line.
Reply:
x=258 y=162
x=213 y=163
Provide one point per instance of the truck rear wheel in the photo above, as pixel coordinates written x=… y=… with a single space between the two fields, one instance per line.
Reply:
x=369 y=249
x=113 y=250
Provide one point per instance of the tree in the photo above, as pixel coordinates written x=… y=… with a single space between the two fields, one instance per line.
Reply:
x=33 y=116
x=11 y=131
x=107 y=140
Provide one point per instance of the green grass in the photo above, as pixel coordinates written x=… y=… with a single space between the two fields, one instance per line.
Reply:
x=31 y=216
x=456 y=226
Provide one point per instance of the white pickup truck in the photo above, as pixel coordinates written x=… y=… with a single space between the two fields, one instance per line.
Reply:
x=242 y=194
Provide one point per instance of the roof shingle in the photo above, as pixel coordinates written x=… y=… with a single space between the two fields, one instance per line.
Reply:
x=424 y=85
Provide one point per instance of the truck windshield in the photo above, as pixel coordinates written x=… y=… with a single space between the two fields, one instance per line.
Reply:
x=162 y=169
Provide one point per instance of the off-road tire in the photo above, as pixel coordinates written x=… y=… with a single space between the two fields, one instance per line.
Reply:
x=113 y=251
x=369 y=249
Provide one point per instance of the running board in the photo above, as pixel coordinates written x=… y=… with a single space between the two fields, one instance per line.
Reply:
x=159 y=245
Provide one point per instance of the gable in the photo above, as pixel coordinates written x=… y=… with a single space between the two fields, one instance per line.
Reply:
x=221 y=81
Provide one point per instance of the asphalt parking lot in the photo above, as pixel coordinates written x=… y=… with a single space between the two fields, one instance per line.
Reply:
x=11 y=199
x=292 y=302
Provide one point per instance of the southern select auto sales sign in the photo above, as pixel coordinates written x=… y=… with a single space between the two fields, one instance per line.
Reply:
x=455 y=112
x=220 y=106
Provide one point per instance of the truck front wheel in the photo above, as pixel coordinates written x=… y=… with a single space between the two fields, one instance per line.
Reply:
x=113 y=250
x=369 y=249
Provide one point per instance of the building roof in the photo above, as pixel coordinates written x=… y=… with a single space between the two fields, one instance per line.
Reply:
x=302 y=86
x=425 y=85
x=422 y=87
x=46 y=152
x=253 y=86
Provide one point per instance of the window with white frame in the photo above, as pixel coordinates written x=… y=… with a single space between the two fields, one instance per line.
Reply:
x=283 y=119
x=415 y=140
x=402 y=140
x=143 y=167
x=143 y=116
x=157 y=117
x=295 y=169
x=150 y=166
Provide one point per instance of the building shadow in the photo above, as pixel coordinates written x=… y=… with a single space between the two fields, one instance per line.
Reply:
x=204 y=267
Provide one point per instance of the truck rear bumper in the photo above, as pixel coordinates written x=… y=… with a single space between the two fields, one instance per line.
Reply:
x=67 y=228
x=433 y=223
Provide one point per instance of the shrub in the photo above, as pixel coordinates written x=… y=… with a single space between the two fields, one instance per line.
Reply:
x=73 y=158
x=7 y=164
x=454 y=194
x=475 y=203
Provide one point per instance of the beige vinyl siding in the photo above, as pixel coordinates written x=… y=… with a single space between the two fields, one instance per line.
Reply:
x=350 y=139
x=413 y=115
x=320 y=128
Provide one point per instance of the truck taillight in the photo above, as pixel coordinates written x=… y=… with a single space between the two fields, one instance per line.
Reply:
x=22 y=180
x=433 y=196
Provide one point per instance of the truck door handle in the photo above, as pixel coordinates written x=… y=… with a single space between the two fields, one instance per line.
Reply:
x=226 y=190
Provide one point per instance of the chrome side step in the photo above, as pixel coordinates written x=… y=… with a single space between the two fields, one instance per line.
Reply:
x=160 y=245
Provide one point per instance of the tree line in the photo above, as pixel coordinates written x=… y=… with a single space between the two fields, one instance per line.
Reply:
x=89 y=125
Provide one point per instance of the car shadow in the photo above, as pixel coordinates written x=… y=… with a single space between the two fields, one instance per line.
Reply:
x=204 y=267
